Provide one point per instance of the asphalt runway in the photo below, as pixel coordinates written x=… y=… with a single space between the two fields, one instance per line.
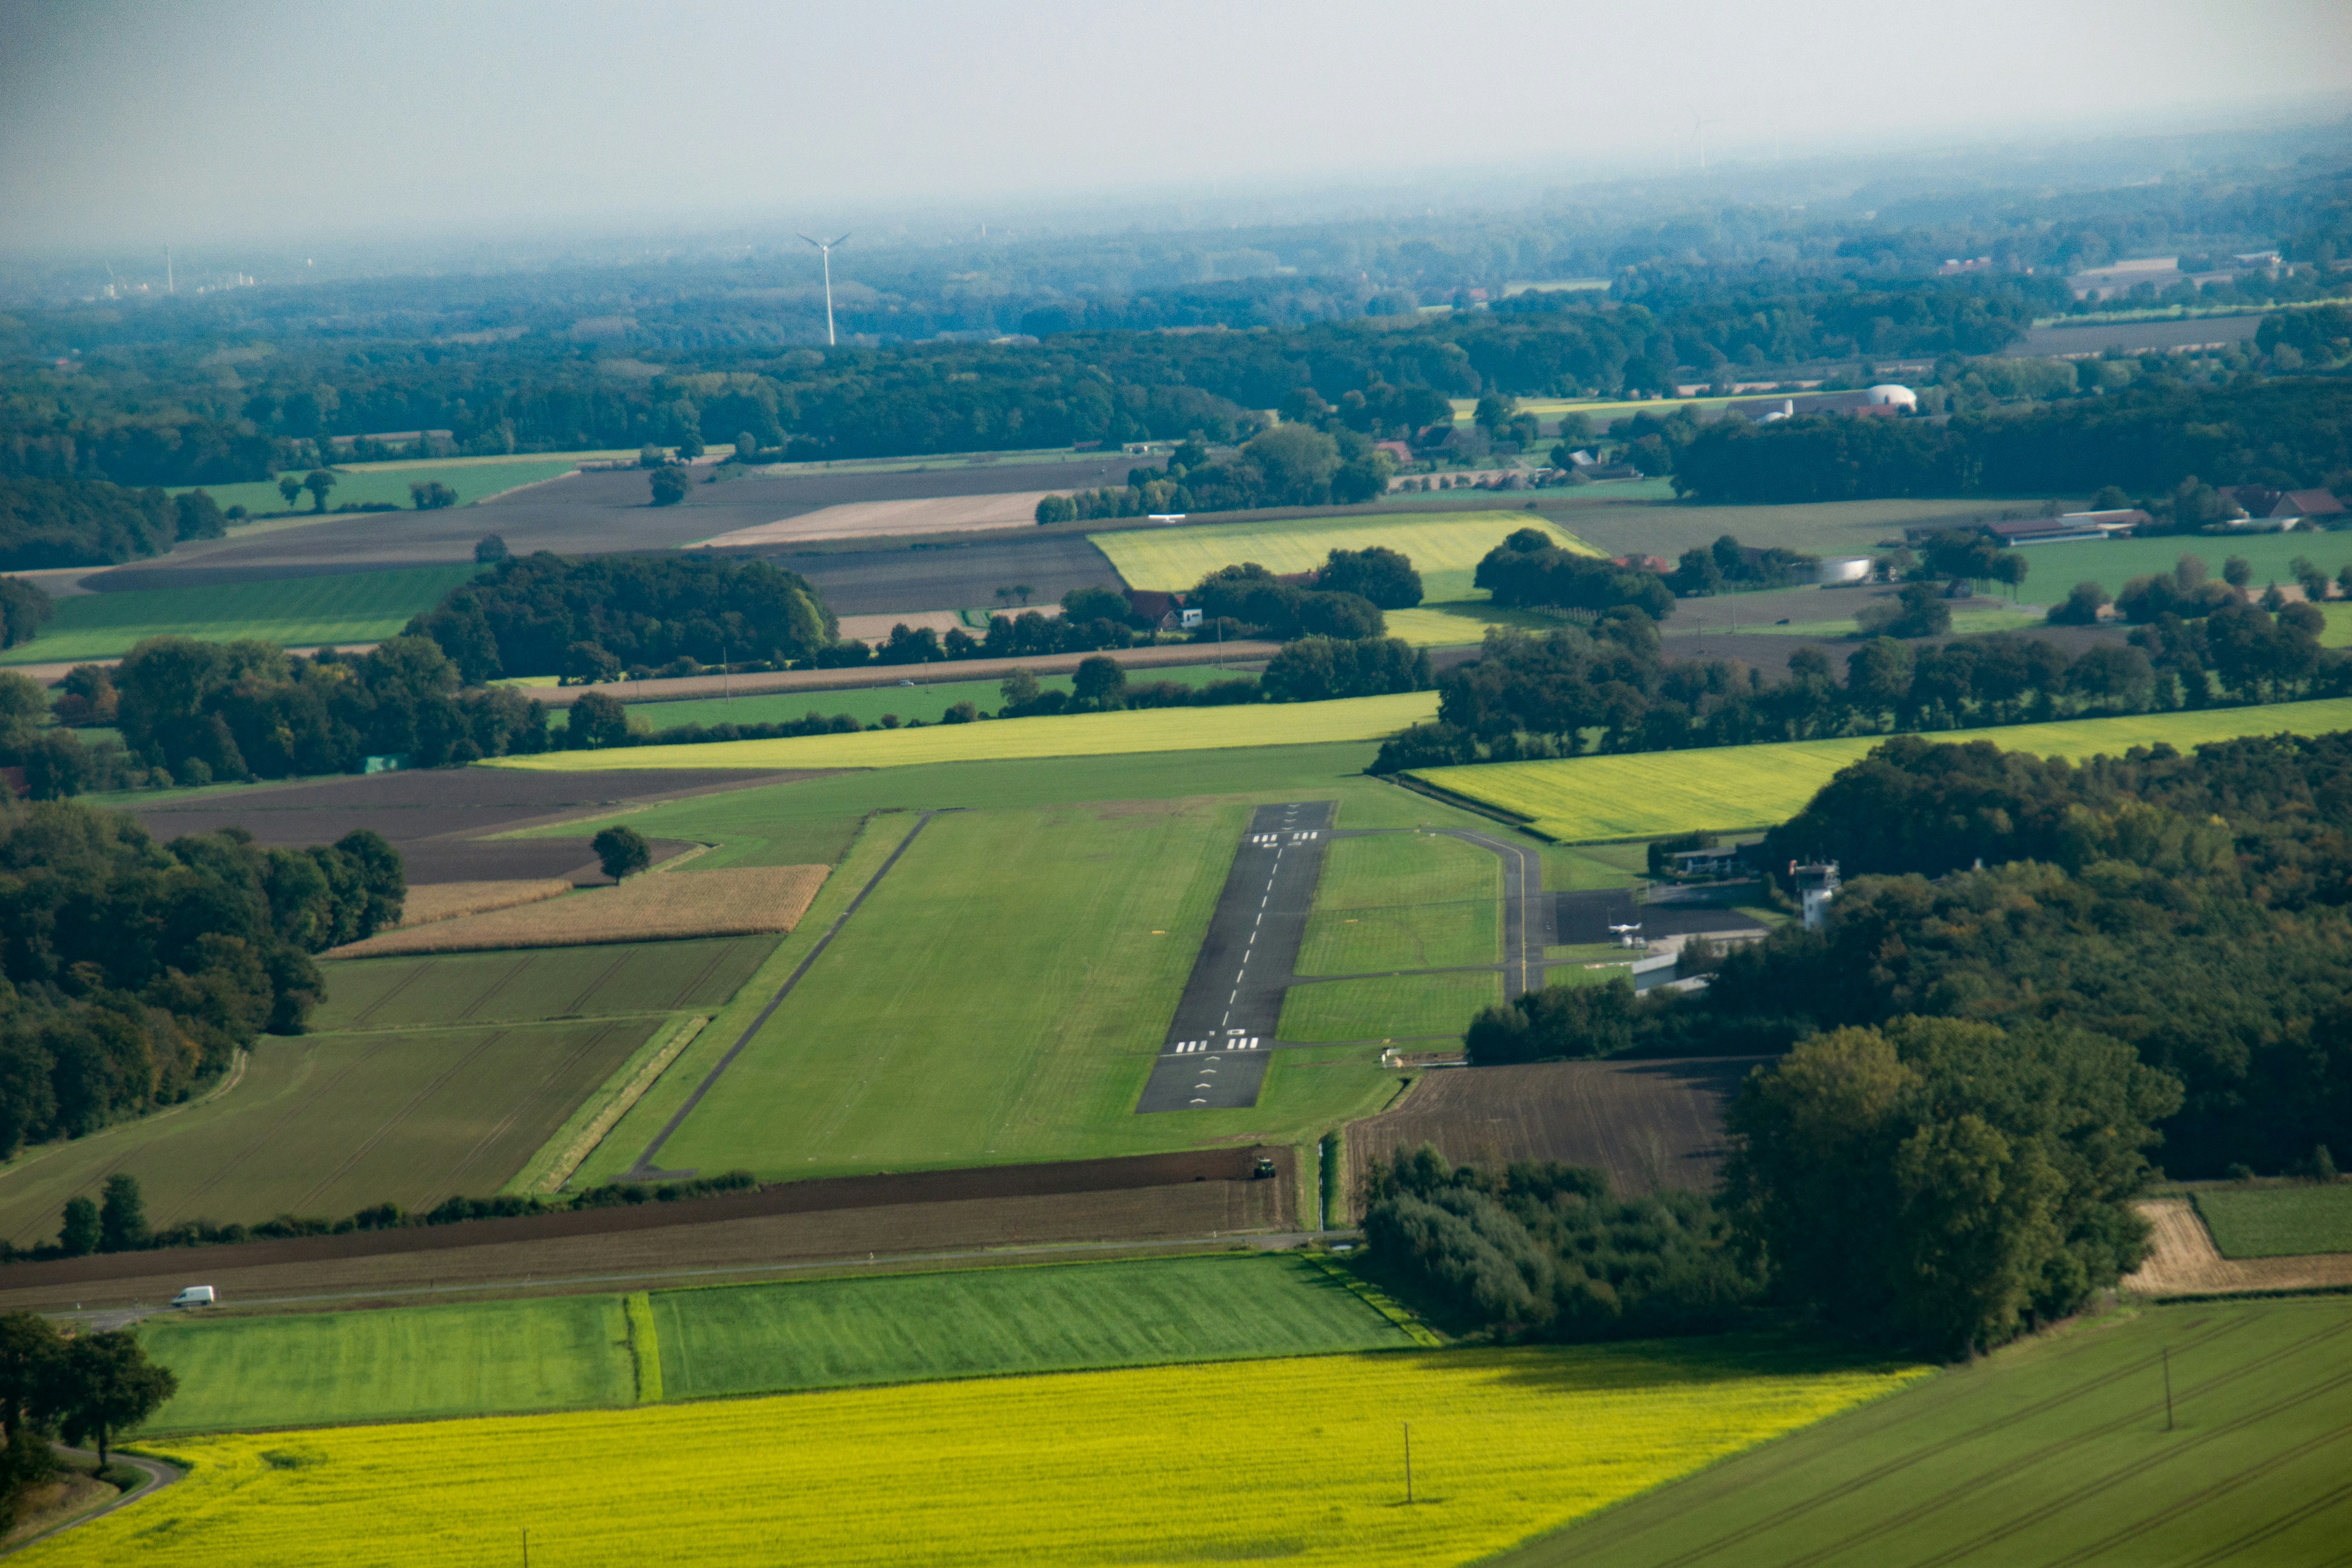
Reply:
x=1215 y=1056
x=1584 y=918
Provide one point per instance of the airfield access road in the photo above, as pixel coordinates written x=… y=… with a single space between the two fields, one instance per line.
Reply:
x=819 y=681
x=1214 y=1057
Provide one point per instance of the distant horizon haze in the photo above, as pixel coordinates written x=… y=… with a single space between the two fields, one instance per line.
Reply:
x=211 y=125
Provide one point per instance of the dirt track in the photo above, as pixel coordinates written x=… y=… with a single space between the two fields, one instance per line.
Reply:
x=2183 y=1261
x=1649 y=1124
x=1152 y=1197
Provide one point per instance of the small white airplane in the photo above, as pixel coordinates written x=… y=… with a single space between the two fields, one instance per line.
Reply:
x=1624 y=935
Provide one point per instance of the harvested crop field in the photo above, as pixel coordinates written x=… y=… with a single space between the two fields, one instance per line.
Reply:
x=883 y=518
x=448 y=900
x=1171 y=1198
x=1175 y=558
x=2183 y=1261
x=1071 y=735
x=1294 y=1459
x=1650 y=1125
x=745 y=902
x=605 y=980
x=1730 y=788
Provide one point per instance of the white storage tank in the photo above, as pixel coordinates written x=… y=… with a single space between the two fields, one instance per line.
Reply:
x=1889 y=395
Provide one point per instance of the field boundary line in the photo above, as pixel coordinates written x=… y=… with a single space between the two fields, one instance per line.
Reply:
x=1379 y=1301
x=645 y=1345
x=644 y=1169
x=623 y=1101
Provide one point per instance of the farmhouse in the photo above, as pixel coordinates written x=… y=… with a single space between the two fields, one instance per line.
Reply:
x=2070 y=526
x=2261 y=501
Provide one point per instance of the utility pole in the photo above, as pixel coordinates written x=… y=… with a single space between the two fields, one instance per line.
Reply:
x=1408 y=1461
x=2168 y=1388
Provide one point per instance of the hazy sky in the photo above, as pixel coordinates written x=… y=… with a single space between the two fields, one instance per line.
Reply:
x=139 y=124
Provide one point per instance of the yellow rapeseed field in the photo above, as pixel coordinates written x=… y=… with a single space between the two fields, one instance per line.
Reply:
x=1650 y=794
x=1297 y=1460
x=1063 y=735
x=1176 y=558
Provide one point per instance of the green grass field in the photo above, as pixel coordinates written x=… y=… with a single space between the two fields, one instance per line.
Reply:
x=2054 y=1451
x=1652 y=793
x=621 y=980
x=1618 y=526
x=2056 y=568
x=926 y=701
x=1393 y=1008
x=294 y=612
x=474 y=480
x=754 y=1339
x=1000 y=997
x=568 y=1352
x=2278 y=1222
x=404 y=1364
x=1461 y=623
x=1176 y=558
x=326 y=1124
x=1073 y=735
x=1403 y=901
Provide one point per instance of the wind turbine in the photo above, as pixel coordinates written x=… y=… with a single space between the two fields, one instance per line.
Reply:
x=825 y=247
x=1698 y=129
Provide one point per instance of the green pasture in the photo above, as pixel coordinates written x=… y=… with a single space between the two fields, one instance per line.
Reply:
x=474 y=480
x=570 y=1353
x=753 y=1339
x=2053 y=569
x=1387 y=1007
x=328 y=1124
x=2278 y=1222
x=1176 y=558
x=1619 y=526
x=407 y=1363
x=2057 y=1450
x=293 y=612
x=1651 y=794
x=1403 y=901
x=926 y=700
x=617 y=980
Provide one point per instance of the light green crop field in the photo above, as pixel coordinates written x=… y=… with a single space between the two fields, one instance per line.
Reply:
x=1388 y=1007
x=1462 y=623
x=1403 y=901
x=1652 y=793
x=327 y=1125
x=2278 y=1222
x=2338 y=630
x=620 y=980
x=2056 y=1451
x=1295 y=1460
x=1071 y=735
x=999 y=997
x=569 y=1352
x=403 y=1363
x=908 y=1328
x=474 y=480
x=1176 y=558
x=2112 y=563
x=926 y=700
x=293 y=612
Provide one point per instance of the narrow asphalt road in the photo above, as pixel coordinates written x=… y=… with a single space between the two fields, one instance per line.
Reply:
x=159 y=1476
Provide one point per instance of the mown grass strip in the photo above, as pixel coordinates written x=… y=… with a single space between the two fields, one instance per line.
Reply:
x=346 y=608
x=1647 y=795
x=602 y=1111
x=645 y=1345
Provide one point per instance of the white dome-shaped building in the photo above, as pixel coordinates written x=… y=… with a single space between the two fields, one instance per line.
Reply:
x=1891 y=396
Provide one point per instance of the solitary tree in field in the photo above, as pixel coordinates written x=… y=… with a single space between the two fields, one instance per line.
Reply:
x=1023 y=591
x=105 y=1383
x=289 y=486
x=669 y=484
x=490 y=547
x=622 y=851
x=319 y=481
x=1099 y=679
x=122 y=1219
x=29 y=1346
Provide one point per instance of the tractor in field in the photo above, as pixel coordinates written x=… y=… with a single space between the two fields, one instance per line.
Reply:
x=1262 y=1170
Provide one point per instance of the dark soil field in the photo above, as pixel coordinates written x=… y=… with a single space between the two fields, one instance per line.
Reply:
x=436 y=818
x=1156 y=1197
x=1650 y=1125
x=950 y=576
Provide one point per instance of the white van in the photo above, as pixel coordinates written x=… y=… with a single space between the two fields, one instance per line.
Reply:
x=195 y=1296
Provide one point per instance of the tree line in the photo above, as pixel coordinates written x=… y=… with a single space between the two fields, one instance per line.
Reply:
x=1610 y=688
x=136 y=970
x=70 y=522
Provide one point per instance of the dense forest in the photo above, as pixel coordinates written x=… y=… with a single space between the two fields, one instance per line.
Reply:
x=134 y=970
